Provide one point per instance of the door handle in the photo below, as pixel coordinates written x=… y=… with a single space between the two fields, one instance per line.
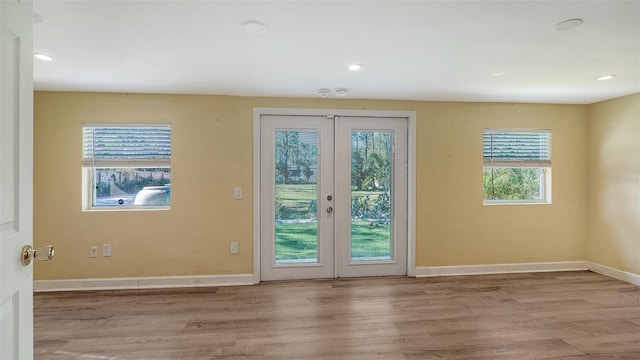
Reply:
x=44 y=253
x=329 y=210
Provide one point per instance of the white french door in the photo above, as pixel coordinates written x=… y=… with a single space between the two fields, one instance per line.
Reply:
x=297 y=162
x=371 y=196
x=333 y=196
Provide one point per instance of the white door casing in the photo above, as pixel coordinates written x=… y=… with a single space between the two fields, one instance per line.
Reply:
x=400 y=124
x=16 y=178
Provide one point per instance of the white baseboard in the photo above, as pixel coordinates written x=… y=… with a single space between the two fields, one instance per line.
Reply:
x=250 y=279
x=426 y=271
x=615 y=273
x=143 y=282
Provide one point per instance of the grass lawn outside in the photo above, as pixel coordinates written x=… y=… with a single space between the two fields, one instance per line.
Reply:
x=297 y=201
x=298 y=240
x=370 y=239
x=297 y=236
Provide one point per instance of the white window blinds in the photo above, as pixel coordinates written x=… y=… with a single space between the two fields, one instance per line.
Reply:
x=517 y=148
x=126 y=145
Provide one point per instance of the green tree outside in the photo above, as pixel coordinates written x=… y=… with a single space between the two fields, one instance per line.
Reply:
x=511 y=183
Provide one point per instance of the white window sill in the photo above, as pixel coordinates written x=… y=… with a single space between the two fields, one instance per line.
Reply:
x=125 y=208
x=516 y=202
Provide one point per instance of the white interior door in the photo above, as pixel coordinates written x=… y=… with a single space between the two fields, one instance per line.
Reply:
x=16 y=174
x=297 y=154
x=333 y=196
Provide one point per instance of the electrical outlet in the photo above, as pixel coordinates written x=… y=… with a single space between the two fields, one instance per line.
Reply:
x=234 y=247
x=93 y=251
x=106 y=249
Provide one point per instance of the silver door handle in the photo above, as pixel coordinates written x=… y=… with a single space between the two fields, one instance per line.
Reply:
x=329 y=210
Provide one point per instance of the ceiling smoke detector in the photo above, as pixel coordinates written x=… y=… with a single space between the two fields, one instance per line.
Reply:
x=324 y=93
x=568 y=24
x=254 y=27
x=342 y=92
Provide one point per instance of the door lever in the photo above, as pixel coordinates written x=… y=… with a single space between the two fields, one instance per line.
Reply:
x=329 y=210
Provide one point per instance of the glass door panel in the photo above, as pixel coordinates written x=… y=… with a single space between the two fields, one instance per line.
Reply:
x=296 y=196
x=371 y=184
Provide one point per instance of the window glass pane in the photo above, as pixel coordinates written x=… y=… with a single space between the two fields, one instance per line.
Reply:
x=371 y=183
x=296 y=196
x=132 y=186
x=513 y=183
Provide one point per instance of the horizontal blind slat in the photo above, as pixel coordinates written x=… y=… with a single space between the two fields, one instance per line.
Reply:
x=517 y=148
x=126 y=142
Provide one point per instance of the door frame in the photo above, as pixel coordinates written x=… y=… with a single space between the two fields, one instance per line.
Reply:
x=411 y=171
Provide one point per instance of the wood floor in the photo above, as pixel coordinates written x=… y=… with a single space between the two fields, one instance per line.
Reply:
x=570 y=316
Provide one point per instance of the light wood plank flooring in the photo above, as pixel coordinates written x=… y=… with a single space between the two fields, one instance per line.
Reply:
x=568 y=315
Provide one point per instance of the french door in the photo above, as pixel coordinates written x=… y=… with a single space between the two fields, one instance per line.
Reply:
x=333 y=196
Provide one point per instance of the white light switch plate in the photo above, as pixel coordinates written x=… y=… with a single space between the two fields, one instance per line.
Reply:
x=237 y=193
x=106 y=249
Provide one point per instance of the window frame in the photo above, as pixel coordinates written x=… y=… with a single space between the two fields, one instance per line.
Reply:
x=544 y=165
x=90 y=165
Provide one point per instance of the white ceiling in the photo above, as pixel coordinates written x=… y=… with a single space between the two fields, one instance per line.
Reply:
x=413 y=50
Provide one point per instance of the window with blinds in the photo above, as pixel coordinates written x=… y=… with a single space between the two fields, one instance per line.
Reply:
x=127 y=165
x=517 y=148
x=124 y=145
x=517 y=166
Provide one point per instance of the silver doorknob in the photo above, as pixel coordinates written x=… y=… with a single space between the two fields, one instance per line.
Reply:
x=44 y=253
x=329 y=210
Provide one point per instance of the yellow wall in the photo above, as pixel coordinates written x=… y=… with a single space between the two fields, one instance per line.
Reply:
x=614 y=183
x=212 y=153
x=454 y=228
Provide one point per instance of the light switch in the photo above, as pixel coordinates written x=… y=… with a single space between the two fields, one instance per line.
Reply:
x=237 y=193
x=106 y=249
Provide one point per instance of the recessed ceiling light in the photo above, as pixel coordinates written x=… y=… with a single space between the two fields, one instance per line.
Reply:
x=323 y=92
x=354 y=67
x=568 y=24
x=42 y=57
x=606 y=77
x=499 y=73
x=254 y=27
x=342 y=92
